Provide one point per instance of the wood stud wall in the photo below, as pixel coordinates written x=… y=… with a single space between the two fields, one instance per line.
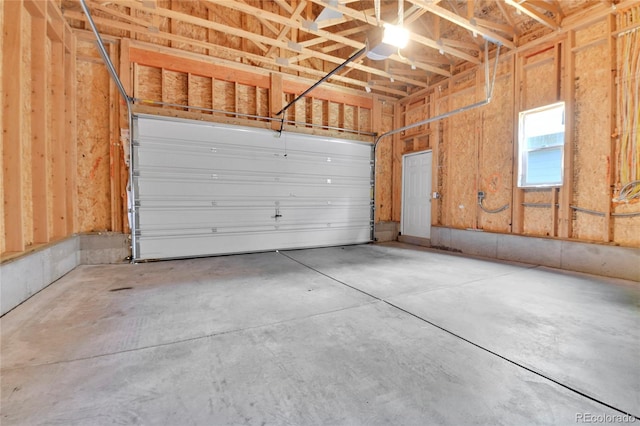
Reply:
x=38 y=122
x=477 y=150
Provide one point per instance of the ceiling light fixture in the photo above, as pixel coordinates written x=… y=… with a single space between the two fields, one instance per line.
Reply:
x=394 y=37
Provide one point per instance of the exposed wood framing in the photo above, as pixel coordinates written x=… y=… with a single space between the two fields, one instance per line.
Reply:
x=607 y=232
x=517 y=198
x=58 y=149
x=462 y=22
x=2 y=137
x=12 y=163
x=70 y=131
x=40 y=153
x=530 y=11
x=565 y=213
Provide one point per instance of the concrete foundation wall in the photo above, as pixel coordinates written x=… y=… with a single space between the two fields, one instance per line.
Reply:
x=386 y=231
x=22 y=277
x=597 y=259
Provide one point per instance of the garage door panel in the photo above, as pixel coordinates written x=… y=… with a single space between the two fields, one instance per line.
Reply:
x=219 y=189
x=204 y=245
x=203 y=189
x=152 y=161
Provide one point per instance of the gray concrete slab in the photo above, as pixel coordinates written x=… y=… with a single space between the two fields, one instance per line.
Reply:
x=82 y=316
x=369 y=365
x=395 y=268
x=581 y=330
x=262 y=339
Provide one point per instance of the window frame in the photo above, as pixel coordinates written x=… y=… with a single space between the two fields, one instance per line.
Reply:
x=524 y=151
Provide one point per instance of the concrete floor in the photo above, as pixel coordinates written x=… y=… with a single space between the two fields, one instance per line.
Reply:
x=359 y=335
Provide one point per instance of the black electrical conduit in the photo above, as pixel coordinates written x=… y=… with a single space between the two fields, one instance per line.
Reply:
x=128 y=101
x=472 y=343
x=322 y=80
x=488 y=87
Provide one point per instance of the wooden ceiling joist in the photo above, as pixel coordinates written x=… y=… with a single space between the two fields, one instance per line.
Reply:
x=253 y=57
x=530 y=12
x=464 y=23
x=167 y=13
x=363 y=17
x=285 y=35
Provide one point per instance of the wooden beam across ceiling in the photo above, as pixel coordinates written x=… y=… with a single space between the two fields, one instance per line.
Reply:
x=136 y=29
x=532 y=13
x=167 y=13
x=463 y=22
x=425 y=41
x=281 y=35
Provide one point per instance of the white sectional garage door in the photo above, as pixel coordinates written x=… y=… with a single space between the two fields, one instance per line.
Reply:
x=205 y=189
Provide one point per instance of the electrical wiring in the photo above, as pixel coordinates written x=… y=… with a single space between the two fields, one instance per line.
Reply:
x=629 y=115
x=486 y=210
x=603 y=214
x=498 y=210
x=629 y=192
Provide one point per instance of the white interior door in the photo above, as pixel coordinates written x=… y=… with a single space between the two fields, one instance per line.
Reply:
x=416 y=195
x=203 y=189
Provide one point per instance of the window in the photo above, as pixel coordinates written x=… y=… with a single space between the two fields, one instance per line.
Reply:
x=541 y=146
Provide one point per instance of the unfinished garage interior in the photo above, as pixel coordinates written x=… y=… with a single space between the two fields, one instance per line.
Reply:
x=320 y=212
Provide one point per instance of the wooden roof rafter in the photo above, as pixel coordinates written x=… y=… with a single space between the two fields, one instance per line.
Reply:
x=301 y=25
x=250 y=56
x=281 y=35
x=284 y=35
x=464 y=23
x=426 y=41
x=523 y=7
x=167 y=13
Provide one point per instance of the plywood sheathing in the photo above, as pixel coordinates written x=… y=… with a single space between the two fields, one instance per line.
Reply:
x=192 y=8
x=157 y=24
x=199 y=91
x=626 y=229
x=442 y=161
x=147 y=83
x=384 y=110
x=175 y=88
x=94 y=136
x=495 y=152
x=463 y=132
x=592 y=162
